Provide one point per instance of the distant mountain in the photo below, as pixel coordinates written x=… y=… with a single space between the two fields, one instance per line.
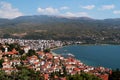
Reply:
x=4 y=21
x=53 y=19
x=57 y=27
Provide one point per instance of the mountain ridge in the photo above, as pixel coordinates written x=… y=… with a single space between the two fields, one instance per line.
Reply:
x=60 y=28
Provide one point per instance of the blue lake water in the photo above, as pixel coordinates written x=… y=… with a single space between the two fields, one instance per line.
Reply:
x=94 y=55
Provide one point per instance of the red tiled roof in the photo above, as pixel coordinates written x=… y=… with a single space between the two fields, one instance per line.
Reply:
x=76 y=69
x=41 y=53
x=104 y=77
x=46 y=76
x=36 y=63
x=7 y=69
x=49 y=55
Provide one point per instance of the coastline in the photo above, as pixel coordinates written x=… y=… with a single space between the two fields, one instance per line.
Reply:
x=85 y=66
x=51 y=50
x=53 y=53
x=84 y=62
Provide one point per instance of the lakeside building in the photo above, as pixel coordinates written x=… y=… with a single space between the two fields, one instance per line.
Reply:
x=46 y=62
x=33 y=44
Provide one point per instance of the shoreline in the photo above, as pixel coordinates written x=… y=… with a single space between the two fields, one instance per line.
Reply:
x=84 y=62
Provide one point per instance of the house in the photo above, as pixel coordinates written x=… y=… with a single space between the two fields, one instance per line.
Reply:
x=49 y=56
x=104 y=76
x=15 y=62
x=33 y=59
x=26 y=48
x=7 y=64
x=41 y=54
x=46 y=76
x=7 y=67
x=1 y=54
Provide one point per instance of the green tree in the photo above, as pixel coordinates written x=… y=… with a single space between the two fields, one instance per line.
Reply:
x=64 y=71
x=27 y=74
x=47 y=50
x=31 y=52
x=82 y=76
x=21 y=52
x=14 y=45
x=2 y=48
x=115 y=75
x=2 y=75
x=1 y=61
x=23 y=74
x=23 y=57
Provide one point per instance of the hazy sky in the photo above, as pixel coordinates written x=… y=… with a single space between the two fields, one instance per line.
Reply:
x=98 y=9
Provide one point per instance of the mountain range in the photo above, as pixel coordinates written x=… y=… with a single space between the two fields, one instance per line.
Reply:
x=57 y=27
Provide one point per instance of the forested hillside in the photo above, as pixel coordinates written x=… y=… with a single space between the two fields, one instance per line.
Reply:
x=61 y=28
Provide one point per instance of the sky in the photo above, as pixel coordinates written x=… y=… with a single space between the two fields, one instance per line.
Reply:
x=97 y=9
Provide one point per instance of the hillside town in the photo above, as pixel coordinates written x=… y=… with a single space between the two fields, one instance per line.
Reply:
x=36 y=55
x=34 y=44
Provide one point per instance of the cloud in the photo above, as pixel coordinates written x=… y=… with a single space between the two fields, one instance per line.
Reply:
x=89 y=7
x=56 y=12
x=48 y=11
x=108 y=7
x=78 y=14
x=116 y=12
x=64 y=8
x=7 y=11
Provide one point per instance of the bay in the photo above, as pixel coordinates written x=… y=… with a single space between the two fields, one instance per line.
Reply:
x=94 y=55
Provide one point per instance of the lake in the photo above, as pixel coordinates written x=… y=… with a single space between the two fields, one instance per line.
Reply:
x=94 y=55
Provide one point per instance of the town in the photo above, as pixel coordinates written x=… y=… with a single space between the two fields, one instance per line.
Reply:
x=36 y=55
x=34 y=44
